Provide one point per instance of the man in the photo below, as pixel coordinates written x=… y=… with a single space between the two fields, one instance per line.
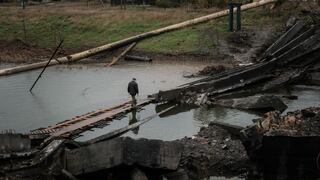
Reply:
x=133 y=90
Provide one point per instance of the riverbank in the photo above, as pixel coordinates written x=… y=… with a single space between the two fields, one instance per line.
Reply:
x=32 y=34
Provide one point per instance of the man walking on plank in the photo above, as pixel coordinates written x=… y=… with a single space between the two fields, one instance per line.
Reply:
x=133 y=90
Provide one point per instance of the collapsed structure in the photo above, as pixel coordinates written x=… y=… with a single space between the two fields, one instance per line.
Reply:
x=286 y=61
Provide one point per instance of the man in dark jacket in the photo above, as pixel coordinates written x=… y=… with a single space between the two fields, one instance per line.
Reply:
x=133 y=90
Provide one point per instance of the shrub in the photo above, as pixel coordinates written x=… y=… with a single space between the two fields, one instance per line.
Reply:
x=167 y=3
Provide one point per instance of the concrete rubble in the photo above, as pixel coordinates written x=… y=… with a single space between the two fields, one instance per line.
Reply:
x=285 y=146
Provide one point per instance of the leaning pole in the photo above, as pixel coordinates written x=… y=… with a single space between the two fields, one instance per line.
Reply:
x=123 y=42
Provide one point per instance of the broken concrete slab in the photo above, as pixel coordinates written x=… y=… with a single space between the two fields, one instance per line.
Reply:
x=289 y=157
x=259 y=102
x=11 y=143
x=123 y=151
x=15 y=146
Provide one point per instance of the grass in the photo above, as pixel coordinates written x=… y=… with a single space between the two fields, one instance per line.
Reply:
x=81 y=26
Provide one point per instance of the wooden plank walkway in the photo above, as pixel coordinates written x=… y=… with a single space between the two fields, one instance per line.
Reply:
x=75 y=126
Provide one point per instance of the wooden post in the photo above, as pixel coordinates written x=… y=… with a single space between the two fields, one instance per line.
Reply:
x=101 y=1
x=230 y=6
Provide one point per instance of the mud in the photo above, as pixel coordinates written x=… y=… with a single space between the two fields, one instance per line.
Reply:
x=18 y=51
x=231 y=49
x=245 y=46
x=209 y=71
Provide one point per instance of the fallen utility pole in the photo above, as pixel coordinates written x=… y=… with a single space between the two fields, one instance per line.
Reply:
x=123 y=42
x=115 y=60
x=54 y=53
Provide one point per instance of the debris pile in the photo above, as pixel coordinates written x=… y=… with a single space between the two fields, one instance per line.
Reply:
x=300 y=123
x=213 y=151
x=285 y=147
x=305 y=122
x=212 y=70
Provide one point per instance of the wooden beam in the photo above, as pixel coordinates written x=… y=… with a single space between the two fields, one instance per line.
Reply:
x=137 y=58
x=115 y=60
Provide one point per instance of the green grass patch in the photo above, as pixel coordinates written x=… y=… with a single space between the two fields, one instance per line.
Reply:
x=83 y=30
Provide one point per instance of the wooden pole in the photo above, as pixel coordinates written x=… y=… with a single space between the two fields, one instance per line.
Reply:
x=115 y=60
x=54 y=53
x=123 y=42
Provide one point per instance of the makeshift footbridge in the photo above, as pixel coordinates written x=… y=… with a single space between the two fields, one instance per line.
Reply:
x=71 y=128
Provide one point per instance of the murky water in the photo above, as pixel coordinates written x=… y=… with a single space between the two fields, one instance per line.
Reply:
x=66 y=91
x=174 y=126
x=308 y=96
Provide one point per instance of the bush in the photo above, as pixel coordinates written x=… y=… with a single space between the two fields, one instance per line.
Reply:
x=167 y=3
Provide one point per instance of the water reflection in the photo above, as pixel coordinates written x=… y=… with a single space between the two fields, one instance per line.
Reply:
x=133 y=119
x=176 y=110
x=308 y=96
x=205 y=115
